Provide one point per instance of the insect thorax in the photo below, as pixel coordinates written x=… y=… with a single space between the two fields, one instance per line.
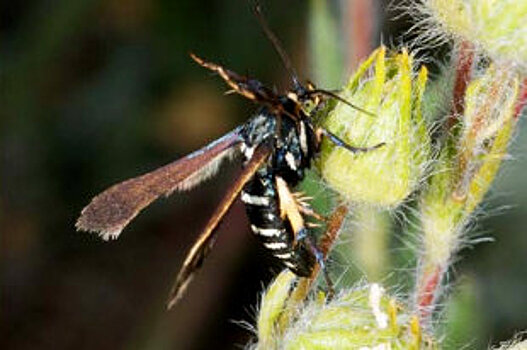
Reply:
x=293 y=145
x=292 y=151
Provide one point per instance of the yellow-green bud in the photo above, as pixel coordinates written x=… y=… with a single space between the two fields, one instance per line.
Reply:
x=465 y=173
x=272 y=308
x=361 y=318
x=496 y=26
x=513 y=345
x=386 y=87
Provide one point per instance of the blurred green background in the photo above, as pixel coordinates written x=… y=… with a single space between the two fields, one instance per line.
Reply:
x=94 y=92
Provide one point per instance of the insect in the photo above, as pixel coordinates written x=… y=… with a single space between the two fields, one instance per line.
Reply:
x=277 y=145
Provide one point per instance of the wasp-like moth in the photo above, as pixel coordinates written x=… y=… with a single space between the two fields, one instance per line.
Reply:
x=277 y=145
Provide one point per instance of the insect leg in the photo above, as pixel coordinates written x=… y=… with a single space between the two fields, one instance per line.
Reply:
x=305 y=208
x=341 y=143
x=291 y=211
x=334 y=94
x=319 y=256
x=249 y=88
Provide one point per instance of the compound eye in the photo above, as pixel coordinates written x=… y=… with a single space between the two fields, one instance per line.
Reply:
x=309 y=105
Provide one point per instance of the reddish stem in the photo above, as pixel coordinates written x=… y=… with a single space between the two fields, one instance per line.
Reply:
x=429 y=282
x=331 y=235
x=522 y=99
x=334 y=225
x=326 y=243
x=359 y=20
x=465 y=59
x=428 y=286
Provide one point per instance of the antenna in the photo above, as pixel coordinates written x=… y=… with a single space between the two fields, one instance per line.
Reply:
x=276 y=45
x=337 y=97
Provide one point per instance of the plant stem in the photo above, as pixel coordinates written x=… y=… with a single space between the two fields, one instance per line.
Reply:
x=359 y=21
x=326 y=243
x=522 y=99
x=428 y=290
x=465 y=59
x=430 y=274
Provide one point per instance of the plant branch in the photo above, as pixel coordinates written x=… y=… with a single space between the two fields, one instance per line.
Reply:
x=465 y=59
x=522 y=99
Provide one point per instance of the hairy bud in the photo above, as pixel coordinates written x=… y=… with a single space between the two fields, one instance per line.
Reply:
x=386 y=87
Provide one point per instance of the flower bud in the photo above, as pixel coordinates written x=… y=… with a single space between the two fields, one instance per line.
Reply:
x=497 y=27
x=361 y=318
x=272 y=306
x=385 y=176
x=514 y=344
x=468 y=162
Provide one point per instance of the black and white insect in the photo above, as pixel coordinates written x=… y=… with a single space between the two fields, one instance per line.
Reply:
x=277 y=145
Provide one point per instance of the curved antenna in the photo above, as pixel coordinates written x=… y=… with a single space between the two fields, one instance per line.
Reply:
x=276 y=45
x=337 y=97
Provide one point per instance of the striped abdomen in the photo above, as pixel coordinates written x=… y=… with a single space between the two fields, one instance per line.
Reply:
x=261 y=203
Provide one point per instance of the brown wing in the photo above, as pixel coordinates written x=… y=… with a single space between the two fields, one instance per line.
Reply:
x=206 y=240
x=110 y=212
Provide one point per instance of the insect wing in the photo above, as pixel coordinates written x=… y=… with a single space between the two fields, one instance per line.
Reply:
x=206 y=240
x=110 y=211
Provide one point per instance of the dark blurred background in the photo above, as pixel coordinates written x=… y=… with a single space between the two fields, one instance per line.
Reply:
x=94 y=92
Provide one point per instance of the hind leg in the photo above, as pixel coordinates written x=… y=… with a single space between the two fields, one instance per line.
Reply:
x=304 y=236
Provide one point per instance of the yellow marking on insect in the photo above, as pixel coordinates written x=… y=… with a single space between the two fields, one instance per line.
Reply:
x=292 y=96
x=289 y=206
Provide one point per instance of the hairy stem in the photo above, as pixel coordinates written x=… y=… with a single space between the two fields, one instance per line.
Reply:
x=465 y=59
x=522 y=99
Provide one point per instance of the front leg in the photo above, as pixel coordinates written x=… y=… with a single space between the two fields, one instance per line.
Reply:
x=341 y=143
